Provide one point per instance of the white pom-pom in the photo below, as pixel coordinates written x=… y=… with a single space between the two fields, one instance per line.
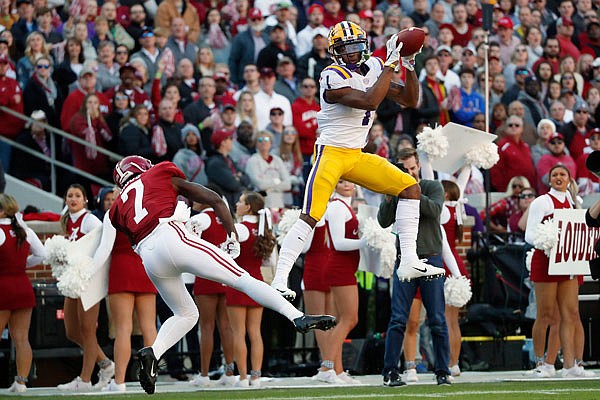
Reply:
x=433 y=143
x=546 y=236
x=457 y=291
x=382 y=240
x=483 y=155
x=76 y=279
x=288 y=219
x=528 y=259
x=57 y=254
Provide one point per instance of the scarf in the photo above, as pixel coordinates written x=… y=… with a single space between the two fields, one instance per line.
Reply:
x=49 y=89
x=90 y=136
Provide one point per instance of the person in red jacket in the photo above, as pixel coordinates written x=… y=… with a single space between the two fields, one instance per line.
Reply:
x=10 y=97
x=86 y=85
x=304 y=116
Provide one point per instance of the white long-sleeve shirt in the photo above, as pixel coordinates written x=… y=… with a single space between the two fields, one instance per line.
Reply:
x=539 y=208
x=337 y=215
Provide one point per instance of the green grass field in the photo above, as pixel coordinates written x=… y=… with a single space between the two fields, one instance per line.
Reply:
x=579 y=390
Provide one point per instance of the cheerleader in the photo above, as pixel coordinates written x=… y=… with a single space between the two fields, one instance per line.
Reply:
x=129 y=290
x=80 y=325
x=342 y=228
x=210 y=299
x=16 y=294
x=245 y=315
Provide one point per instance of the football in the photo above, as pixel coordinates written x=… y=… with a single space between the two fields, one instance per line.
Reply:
x=413 y=39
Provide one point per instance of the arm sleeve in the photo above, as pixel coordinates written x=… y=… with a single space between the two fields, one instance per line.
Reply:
x=89 y=223
x=426 y=167
x=109 y=234
x=38 y=252
x=337 y=216
x=447 y=255
x=242 y=232
x=537 y=210
x=201 y=222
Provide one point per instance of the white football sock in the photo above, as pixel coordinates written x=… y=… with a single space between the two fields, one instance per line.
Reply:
x=407 y=227
x=266 y=296
x=290 y=250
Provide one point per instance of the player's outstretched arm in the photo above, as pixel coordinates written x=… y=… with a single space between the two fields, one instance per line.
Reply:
x=368 y=100
x=406 y=95
x=201 y=194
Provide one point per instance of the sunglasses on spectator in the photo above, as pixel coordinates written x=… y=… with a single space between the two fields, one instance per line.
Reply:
x=121 y=97
x=526 y=195
x=513 y=125
x=556 y=141
x=308 y=86
x=43 y=66
x=263 y=139
x=276 y=113
x=581 y=111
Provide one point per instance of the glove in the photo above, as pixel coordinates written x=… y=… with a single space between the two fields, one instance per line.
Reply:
x=393 y=52
x=194 y=226
x=231 y=246
x=409 y=62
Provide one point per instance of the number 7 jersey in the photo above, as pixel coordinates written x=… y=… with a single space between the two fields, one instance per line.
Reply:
x=340 y=125
x=144 y=200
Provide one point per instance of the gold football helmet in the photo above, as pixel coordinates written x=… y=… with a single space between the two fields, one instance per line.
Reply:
x=346 y=38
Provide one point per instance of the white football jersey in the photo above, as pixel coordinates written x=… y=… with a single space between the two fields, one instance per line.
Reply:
x=340 y=125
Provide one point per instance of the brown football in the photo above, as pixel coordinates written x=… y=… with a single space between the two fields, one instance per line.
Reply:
x=413 y=39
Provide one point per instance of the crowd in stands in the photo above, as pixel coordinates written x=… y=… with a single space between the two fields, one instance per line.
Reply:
x=228 y=91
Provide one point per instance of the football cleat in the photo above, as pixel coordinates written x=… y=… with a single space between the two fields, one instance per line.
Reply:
x=285 y=292
x=148 y=369
x=418 y=269
x=305 y=323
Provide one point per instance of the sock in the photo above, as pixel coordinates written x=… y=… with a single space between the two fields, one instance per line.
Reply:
x=410 y=365
x=290 y=250
x=407 y=227
x=104 y=363
x=266 y=296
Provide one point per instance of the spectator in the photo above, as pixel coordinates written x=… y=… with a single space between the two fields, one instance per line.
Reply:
x=518 y=59
x=267 y=172
x=80 y=325
x=137 y=24
x=88 y=49
x=544 y=76
x=10 y=97
x=436 y=18
x=515 y=156
x=533 y=42
x=498 y=117
x=497 y=89
x=276 y=48
x=102 y=31
x=246 y=45
x=118 y=33
x=228 y=115
x=577 y=132
x=434 y=103
x=134 y=136
x=444 y=74
x=518 y=221
x=554 y=94
x=171 y=10
x=289 y=152
x=203 y=113
x=545 y=130
x=314 y=62
x=67 y=72
x=268 y=99
x=551 y=54
x=89 y=125
x=86 y=85
x=221 y=170
x=121 y=54
x=461 y=30
x=246 y=109
x=205 y=62
x=43 y=17
x=564 y=33
x=4 y=49
x=136 y=95
x=216 y=36
x=530 y=97
x=16 y=295
x=568 y=67
x=315 y=25
x=178 y=42
x=503 y=209
x=283 y=16
x=333 y=13
x=287 y=84
x=7 y=17
x=26 y=166
x=244 y=146
x=245 y=315
x=305 y=109
x=588 y=182
x=35 y=46
x=120 y=110
x=149 y=52
x=557 y=155
x=188 y=86
x=513 y=91
x=25 y=25
x=471 y=102
x=276 y=125
x=529 y=134
x=108 y=69
x=170 y=91
x=188 y=159
x=41 y=92
x=558 y=114
x=166 y=133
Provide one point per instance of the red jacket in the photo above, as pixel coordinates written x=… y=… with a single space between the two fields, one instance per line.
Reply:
x=515 y=160
x=98 y=166
x=73 y=103
x=304 y=117
x=10 y=97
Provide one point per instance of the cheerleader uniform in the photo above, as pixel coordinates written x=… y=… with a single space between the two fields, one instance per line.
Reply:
x=540 y=261
x=213 y=232
x=127 y=273
x=16 y=291
x=450 y=229
x=344 y=260
x=316 y=260
x=247 y=259
x=80 y=223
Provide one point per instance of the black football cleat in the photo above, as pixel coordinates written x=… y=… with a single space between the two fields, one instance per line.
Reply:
x=305 y=323
x=393 y=379
x=148 y=369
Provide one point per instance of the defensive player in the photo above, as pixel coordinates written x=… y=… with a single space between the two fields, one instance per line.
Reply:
x=351 y=90
x=146 y=210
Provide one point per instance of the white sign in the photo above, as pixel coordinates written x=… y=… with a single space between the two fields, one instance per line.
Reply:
x=461 y=139
x=575 y=245
x=98 y=287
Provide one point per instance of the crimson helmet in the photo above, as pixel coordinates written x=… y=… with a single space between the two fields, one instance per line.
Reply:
x=129 y=167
